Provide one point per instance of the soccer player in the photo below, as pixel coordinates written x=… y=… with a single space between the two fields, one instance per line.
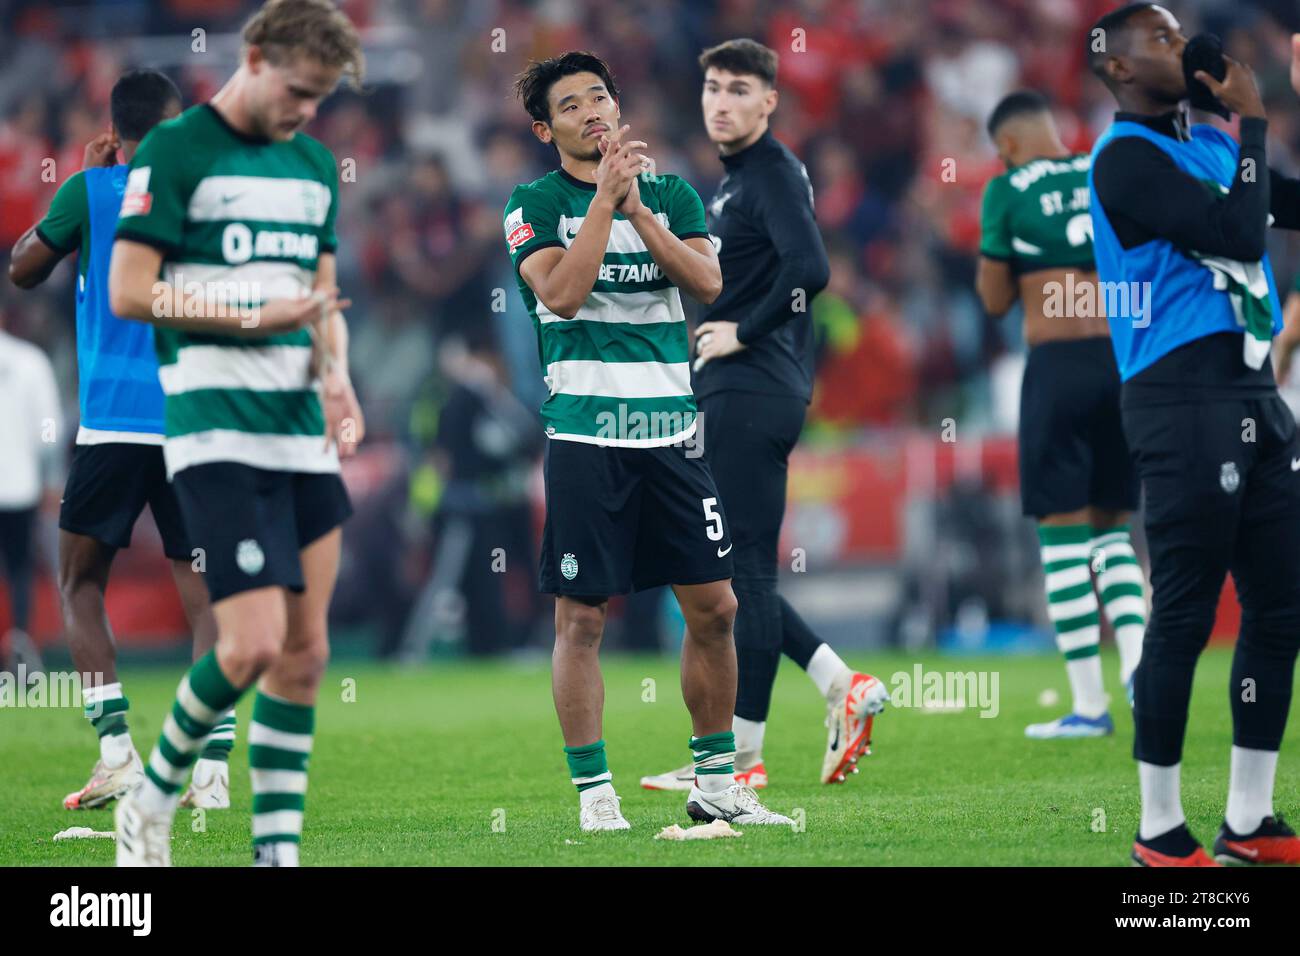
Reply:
x=1077 y=478
x=601 y=253
x=1179 y=217
x=118 y=465
x=226 y=244
x=754 y=381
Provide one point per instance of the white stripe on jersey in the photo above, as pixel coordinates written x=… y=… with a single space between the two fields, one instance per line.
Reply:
x=304 y=202
x=251 y=282
x=623 y=237
x=267 y=368
x=619 y=379
x=272 y=452
x=635 y=308
x=98 y=436
x=659 y=442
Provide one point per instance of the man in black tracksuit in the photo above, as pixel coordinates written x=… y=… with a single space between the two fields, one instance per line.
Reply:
x=754 y=377
x=1180 y=215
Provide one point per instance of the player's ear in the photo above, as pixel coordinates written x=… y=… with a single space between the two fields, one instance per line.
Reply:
x=542 y=131
x=773 y=97
x=1117 y=70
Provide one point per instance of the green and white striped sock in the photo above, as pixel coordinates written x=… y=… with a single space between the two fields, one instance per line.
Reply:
x=279 y=745
x=715 y=761
x=106 y=709
x=203 y=696
x=222 y=739
x=1072 y=607
x=588 y=767
x=1120 y=580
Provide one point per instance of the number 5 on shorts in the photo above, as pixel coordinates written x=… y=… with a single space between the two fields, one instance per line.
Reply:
x=714 y=529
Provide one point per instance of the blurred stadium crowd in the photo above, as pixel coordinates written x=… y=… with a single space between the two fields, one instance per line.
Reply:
x=877 y=96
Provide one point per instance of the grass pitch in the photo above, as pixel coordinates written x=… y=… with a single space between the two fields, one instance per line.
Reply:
x=461 y=764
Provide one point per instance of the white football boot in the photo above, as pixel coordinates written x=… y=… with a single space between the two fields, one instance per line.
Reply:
x=683 y=778
x=209 y=787
x=848 y=723
x=143 y=839
x=737 y=804
x=602 y=812
x=106 y=784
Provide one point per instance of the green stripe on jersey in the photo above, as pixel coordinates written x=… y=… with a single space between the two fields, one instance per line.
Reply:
x=254 y=413
x=580 y=340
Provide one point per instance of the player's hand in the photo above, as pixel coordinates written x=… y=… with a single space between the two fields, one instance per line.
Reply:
x=619 y=165
x=1238 y=91
x=631 y=204
x=345 y=425
x=715 y=340
x=100 y=151
x=290 y=315
x=1295 y=62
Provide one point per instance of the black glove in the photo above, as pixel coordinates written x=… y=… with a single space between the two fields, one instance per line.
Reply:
x=1204 y=52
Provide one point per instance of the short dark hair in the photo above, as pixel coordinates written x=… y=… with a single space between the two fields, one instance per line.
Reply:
x=743 y=56
x=1113 y=26
x=138 y=101
x=1020 y=103
x=533 y=85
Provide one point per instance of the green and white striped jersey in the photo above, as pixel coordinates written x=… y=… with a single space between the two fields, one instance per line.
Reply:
x=246 y=218
x=619 y=371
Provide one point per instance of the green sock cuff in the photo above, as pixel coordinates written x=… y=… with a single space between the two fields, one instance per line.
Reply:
x=106 y=708
x=714 y=743
x=283 y=715
x=587 y=760
x=1064 y=534
x=110 y=726
x=210 y=685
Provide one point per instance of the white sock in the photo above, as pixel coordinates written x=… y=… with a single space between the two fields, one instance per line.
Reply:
x=115 y=749
x=1250 y=789
x=1128 y=638
x=591 y=793
x=749 y=741
x=831 y=675
x=152 y=800
x=1162 y=807
x=1085 y=686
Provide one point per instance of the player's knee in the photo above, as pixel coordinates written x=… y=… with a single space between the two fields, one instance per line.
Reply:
x=1180 y=630
x=247 y=653
x=305 y=663
x=715 y=618
x=579 y=625
x=78 y=581
x=1273 y=632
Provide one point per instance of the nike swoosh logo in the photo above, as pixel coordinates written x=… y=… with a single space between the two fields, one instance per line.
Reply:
x=226 y=199
x=571 y=234
x=1295 y=464
x=1252 y=853
x=723 y=554
x=727 y=815
x=835 y=744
